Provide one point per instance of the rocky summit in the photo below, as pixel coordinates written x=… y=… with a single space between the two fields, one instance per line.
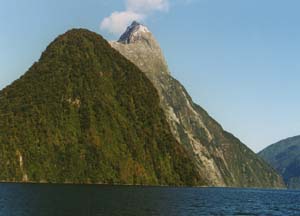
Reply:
x=221 y=158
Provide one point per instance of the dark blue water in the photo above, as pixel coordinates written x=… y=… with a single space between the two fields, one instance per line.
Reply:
x=94 y=200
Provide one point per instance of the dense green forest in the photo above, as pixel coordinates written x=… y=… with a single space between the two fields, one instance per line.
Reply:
x=85 y=114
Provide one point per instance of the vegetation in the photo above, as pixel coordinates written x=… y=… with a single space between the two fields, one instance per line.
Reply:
x=284 y=156
x=85 y=114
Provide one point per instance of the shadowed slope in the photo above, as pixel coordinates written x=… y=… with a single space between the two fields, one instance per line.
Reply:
x=284 y=156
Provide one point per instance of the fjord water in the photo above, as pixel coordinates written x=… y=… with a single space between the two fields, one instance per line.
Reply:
x=95 y=200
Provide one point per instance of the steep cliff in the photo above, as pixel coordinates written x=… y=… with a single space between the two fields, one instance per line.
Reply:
x=222 y=160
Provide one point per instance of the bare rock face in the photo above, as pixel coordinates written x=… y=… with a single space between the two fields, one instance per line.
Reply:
x=221 y=158
x=139 y=46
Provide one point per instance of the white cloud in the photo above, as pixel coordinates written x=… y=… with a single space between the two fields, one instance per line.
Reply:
x=137 y=10
x=117 y=22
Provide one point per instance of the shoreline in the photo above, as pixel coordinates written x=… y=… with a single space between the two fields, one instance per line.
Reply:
x=135 y=185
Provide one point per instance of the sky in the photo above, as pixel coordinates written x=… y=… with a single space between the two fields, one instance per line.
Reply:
x=239 y=60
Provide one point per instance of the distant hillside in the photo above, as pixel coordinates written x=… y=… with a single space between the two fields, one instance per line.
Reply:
x=85 y=114
x=284 y=156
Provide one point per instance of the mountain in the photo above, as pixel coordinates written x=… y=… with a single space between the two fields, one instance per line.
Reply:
x=284 y=156
x=85 y=114
x=222 y=160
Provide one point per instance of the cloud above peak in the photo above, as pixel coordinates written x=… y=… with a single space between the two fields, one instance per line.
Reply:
x=137 y=10
x=117 y=22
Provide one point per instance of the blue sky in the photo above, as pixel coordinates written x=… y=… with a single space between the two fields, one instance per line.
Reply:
x=238 y=59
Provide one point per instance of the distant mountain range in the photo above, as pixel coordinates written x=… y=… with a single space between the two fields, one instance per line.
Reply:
x=284 y=156
x=86 y=113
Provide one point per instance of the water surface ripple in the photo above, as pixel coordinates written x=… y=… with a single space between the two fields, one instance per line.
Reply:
x=97 y=200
